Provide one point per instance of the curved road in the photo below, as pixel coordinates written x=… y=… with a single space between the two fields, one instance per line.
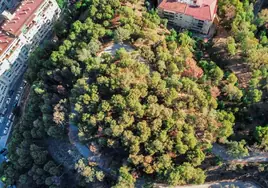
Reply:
x=84 y=150
x=238 y=183
x=221 y=151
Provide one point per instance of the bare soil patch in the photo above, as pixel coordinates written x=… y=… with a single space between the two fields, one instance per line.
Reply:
x=63 y=152
x=235 y=64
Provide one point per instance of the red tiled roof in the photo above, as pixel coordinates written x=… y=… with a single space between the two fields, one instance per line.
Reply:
x=173 y=5
x=5 y=40
x=23 y=15
x=201 y=13
x=205 y=10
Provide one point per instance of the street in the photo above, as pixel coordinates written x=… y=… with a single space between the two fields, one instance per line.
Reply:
x=10 y=107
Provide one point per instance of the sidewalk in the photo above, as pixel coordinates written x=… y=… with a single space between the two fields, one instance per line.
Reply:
x=4 y=138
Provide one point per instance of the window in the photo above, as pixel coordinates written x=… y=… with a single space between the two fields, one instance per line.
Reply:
x=17 y=68
x=200 y=22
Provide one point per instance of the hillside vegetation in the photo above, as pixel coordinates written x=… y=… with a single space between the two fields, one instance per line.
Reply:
x=156 y=110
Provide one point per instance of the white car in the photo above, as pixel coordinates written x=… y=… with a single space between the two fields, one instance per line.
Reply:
x=8 y=123
x=5 y=131
x=8 y=100
x=24 y=83
x=17 y=97
x=4 y=111
x=5 y=157
x=10 y=116
x=1 y=119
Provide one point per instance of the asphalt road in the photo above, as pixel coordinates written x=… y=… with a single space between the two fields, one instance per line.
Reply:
x=10 y=107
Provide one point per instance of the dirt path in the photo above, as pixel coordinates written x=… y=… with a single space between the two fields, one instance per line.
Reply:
x=223 y=184
x=63 y=152
x=102 y=162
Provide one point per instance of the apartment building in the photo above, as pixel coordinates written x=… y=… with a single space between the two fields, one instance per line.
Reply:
x=7 y=4
x=196 y=15
x=21 y=33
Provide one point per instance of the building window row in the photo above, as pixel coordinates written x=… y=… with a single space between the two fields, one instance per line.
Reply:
x=2 y=98
x=3 y=90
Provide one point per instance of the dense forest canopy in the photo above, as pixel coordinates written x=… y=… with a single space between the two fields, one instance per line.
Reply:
x=123 y=103
x=157 y=108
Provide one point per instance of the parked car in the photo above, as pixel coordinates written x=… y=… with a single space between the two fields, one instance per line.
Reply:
x=6 y=159
x=5 y=153
x=21 y=88
x=3 y=150
x=24 y=83
x=15 y=103
x=2 y=119
x=8 y=100
x=11 y=92
x=5 y=132
x=10 y=116
x=8 y=123
x=17 y=97
x=4 y=111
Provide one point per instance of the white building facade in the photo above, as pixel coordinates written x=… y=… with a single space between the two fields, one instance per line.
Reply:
x=196 y=15
x=20 y=35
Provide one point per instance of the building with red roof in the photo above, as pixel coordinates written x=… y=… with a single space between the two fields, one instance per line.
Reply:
x=20 y=33
x=196 y=15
